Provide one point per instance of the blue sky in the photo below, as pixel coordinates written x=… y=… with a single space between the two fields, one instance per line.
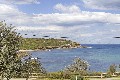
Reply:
x=84 y=21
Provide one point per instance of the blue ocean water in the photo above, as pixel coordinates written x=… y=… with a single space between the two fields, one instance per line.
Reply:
x=100 y=57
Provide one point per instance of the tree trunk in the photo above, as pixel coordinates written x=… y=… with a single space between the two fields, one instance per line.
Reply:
x=8 y=79
x=27 y=76
x=2 y=76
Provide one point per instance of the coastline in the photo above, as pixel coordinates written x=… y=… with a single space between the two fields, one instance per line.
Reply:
x=26 y=50
x=53 y=48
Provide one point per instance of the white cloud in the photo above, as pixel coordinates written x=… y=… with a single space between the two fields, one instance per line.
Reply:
x=8 y=9
x=102 y=4
x=36 y=28
x=83 y=18
x=67 y=9
x=13 y=15
x=82 y=24
x=20 y=1
x=86 y=35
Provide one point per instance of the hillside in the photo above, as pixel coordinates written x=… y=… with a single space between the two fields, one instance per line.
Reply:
x=43 y=44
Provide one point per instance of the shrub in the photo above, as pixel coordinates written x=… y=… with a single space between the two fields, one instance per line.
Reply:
x=55 y=75
x=94 y=74
x=78 y=78
x=59 y=75
x=108 y=75
x=66 y=76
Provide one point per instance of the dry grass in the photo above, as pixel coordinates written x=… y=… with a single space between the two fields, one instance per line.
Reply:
x=117 y=78
x=105 y=78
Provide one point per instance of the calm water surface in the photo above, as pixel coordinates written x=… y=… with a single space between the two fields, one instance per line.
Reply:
x=100 y=57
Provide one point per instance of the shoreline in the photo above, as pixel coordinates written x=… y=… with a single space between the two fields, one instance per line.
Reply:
x=26 y=50
x=53 y=49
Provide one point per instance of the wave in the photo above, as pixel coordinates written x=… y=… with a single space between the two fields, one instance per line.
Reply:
x=89 y=47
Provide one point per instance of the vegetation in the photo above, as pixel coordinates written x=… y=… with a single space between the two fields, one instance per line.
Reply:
x=79 y=66
x=42 y=43
x=56 y=75
x=14 y=63
x=11 y=60
x=112 y=69
x=32 y=65
x=10 y=42
x=77 y=78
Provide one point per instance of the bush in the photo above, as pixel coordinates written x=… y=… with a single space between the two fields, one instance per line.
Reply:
x=108 y=75
x=55 y=75
x=59 y=75
x=78 y=78
x=94 y=74
x=66 y=76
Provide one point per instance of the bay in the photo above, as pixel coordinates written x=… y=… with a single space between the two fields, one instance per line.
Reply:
x=99 y=56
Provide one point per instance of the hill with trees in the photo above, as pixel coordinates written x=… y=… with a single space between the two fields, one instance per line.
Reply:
x=43 y=44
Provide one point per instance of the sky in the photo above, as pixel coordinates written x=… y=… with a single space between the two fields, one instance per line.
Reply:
x=83 y=21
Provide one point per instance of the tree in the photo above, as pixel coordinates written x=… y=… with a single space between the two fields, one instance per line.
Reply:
x=112 y=69
x=77 y=66
x=32 y=65
x=10 y=41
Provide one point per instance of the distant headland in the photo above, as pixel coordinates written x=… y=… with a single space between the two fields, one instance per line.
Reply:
x=47 y=44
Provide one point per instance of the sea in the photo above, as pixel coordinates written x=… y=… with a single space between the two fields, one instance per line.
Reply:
x=99 y=57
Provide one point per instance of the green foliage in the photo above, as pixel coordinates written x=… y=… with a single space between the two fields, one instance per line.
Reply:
x=108 y=75
x=55 y=75
x=32 y=65
x=78 y=66
x=112 y=69
x=67 y=75
x=42 y=44
x=62 y=76
x=78 y=78
x=10 y=41
x=94 y=74
x=59 y=75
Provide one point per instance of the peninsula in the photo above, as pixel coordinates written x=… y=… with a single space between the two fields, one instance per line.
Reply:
x=44 y=44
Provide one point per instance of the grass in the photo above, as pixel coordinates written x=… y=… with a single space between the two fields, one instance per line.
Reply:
x=117 y=78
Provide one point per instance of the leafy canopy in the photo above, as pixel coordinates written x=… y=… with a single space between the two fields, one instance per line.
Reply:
x=9 y=46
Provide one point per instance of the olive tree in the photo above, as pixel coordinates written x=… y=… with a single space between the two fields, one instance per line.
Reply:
x=32 y=65
x=9 y=46
x=77 y=66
